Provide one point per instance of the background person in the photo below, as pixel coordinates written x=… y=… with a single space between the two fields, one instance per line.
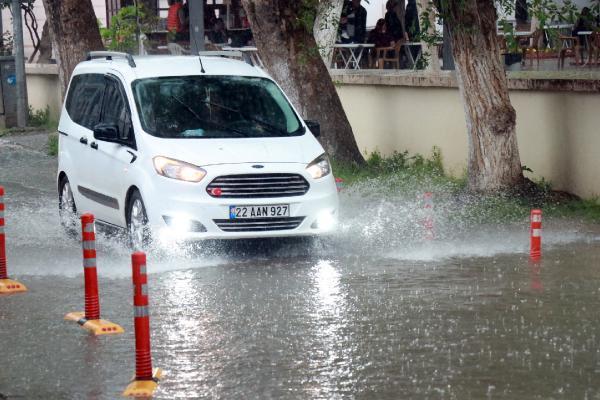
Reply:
x=219 y=33
x=354 y=20
x=392 y=23
x=380 y=38
x=174 y=25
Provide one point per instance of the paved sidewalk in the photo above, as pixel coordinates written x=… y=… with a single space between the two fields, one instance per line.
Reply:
x=37 y=141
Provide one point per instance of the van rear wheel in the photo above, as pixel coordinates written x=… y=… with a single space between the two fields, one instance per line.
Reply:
x=138 y=230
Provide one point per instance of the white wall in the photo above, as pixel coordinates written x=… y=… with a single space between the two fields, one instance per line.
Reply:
x=557 y=132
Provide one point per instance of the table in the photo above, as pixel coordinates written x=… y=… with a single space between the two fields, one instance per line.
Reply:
x=517 y=33
x=413 y=60
x=350 y=53
x=564 y=29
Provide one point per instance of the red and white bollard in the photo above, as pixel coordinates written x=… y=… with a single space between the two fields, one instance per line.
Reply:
x=535 y=233
x=339 y=184
x=146 y=379
x=90 y=318
x=428 y=221
x=7 y=286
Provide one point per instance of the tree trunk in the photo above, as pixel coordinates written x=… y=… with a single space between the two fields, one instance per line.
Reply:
x=493 y=162
x=45 y=45
x=326 y=27
x=74 y=32
x=290 y=53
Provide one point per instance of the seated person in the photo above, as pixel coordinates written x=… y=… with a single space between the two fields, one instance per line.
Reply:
x=380 y=36
x=219 y=33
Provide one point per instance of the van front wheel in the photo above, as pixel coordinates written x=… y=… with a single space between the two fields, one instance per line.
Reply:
x=138 y=230
x=67 y=210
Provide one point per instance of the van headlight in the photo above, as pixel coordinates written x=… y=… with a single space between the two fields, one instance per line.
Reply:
x=320 y=167
x=180 y=170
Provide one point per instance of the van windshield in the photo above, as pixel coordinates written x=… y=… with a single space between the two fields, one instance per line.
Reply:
x=214 y=107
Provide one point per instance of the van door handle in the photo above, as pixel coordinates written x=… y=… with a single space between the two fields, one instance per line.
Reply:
x=83 y=140
x=94 y=145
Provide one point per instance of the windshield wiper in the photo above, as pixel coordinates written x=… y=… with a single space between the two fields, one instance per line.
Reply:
x=208 y=121
x=270 y=127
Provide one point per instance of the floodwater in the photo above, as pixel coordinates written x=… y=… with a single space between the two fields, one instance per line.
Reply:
x=374 y=312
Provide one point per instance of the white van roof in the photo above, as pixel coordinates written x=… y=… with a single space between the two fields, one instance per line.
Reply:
x=158 y=66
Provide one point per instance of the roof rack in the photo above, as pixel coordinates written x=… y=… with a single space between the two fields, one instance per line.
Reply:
x=222 y=53
x=235 y=54
x=109 y=56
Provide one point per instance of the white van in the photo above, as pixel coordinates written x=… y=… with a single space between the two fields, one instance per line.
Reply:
x=189 y=148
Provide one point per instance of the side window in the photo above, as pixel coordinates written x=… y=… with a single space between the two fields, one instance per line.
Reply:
x=74 y=93
x=115 y=110
x=84 y=100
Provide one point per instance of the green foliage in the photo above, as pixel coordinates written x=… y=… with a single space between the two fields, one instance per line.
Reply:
x=40 y=118
x=512 y=44
x=126 y=26
x=401 y=173
x=588 y=210
x=53 y=144
x=410 y=176
x=377 y=165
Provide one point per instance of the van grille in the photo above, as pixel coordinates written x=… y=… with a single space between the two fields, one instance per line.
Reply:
x=259 y=185
x=258 y=224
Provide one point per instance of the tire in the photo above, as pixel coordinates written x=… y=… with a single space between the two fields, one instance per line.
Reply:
x=67 y=210
x=138 y=230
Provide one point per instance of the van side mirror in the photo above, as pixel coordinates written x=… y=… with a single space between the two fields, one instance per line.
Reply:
x=107 y=133
x=314 y=127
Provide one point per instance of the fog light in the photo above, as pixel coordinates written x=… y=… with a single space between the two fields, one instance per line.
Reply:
x=183 y=224
x=325 y=221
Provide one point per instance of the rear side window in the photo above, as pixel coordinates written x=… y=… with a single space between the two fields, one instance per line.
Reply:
x=84 y=101
x=116 y=110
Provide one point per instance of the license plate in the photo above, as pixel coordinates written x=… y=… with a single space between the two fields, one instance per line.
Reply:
x=272 y=211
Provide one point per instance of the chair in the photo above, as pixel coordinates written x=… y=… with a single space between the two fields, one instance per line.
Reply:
x=532 y=47
x=569 y=47
x=389 y=54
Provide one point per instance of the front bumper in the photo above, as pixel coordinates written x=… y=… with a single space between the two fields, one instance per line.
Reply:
x=182 y=201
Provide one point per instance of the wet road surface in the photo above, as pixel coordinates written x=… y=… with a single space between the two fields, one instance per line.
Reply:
x=372 y=312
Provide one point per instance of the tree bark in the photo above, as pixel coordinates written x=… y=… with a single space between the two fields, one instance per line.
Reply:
x=45 y=45
x=290 y=53
x=74 y=32
x=493 y=162
x=326 y=27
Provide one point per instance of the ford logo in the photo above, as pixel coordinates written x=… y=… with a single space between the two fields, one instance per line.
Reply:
x=258 y=166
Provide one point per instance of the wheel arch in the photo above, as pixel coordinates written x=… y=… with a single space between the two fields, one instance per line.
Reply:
x=61 y=176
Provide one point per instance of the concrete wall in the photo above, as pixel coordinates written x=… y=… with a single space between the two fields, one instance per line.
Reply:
x=558 y=132
x=43 y=89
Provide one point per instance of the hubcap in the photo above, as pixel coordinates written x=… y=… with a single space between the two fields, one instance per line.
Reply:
x=137 y=224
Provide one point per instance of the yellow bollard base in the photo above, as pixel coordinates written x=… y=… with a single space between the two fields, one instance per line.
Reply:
x=8 y=286
x=95 y=326
x=143 y=388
